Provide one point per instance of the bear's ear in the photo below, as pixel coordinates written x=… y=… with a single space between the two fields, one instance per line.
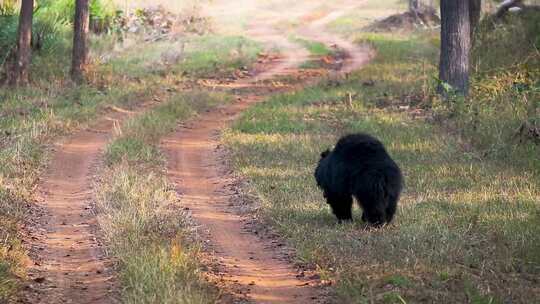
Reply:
x=325 y=153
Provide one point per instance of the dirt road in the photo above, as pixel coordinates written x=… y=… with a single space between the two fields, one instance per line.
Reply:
x=253 y=268
x=70 y=264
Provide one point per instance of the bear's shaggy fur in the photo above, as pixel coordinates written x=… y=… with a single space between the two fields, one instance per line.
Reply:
x=359 y=166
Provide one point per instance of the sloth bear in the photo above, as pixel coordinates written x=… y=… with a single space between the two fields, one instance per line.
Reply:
x=359 y=166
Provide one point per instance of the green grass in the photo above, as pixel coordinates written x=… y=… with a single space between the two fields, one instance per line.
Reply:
x=352 y=24
x=138 y=137
x=223 y=53
x=466 y=228
x=315 y=48
x=145 y=229
x=193 y=56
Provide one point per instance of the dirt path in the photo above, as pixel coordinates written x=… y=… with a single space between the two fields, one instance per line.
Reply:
x=254 y=267
x=70 y=265
x=195 y=166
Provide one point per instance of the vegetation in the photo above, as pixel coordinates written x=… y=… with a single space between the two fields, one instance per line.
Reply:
x=505 y=93
x=225 y=54
x=51 y=29
x=315 y=48
x=145 y=228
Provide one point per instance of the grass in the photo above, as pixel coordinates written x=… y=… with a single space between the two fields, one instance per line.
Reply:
x=317 y=51
x=193 y=57
x=226 y=54
x=145 y=229
x=315 y=48
x=352 y=24
x=466 y=228
x=33 y=118
x=146 y=234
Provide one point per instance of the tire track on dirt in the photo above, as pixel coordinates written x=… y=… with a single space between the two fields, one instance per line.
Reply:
x=253 y=266
x=70 y=263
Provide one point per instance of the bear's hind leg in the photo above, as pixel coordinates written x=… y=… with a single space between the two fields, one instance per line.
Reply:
x=341 y=206
x=368 y=190
x=391 y=208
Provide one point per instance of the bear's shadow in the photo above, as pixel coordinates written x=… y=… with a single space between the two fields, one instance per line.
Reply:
x=326 y=220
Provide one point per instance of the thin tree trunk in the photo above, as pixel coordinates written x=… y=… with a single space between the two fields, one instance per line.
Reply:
x=475 y=8
x=455 y=45
x=414 y=5
x=80 y=41
x=19 y=72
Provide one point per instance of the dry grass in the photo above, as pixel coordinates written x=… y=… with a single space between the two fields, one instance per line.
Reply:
x=145 y=229
x=147 y=234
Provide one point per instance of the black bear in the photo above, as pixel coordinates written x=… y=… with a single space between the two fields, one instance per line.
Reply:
x=359 y=166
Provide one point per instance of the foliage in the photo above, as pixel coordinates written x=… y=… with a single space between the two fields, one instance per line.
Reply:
x=8 y=34
x=8 y=7
x=63 y=10
x=51 y=27
x=505 y=88
x=514 y=41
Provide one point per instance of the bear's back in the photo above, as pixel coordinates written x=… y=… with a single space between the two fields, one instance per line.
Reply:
x=360 y=146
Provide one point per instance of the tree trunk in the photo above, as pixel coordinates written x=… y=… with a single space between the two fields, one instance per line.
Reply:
x=80 y=41
x=23 y=52
x=455 y=45
x=475 y=8
x=414 y=5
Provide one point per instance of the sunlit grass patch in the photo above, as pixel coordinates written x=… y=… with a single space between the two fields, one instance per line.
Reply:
x=320 y=53
x=192 y=56
x=350 y=24
x=218 y=53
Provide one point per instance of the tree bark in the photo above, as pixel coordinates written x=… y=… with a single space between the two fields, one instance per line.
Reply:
x=475 y=9
x=80 y=41
x=414 y=5
x=23 y=52
x=455 y=45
